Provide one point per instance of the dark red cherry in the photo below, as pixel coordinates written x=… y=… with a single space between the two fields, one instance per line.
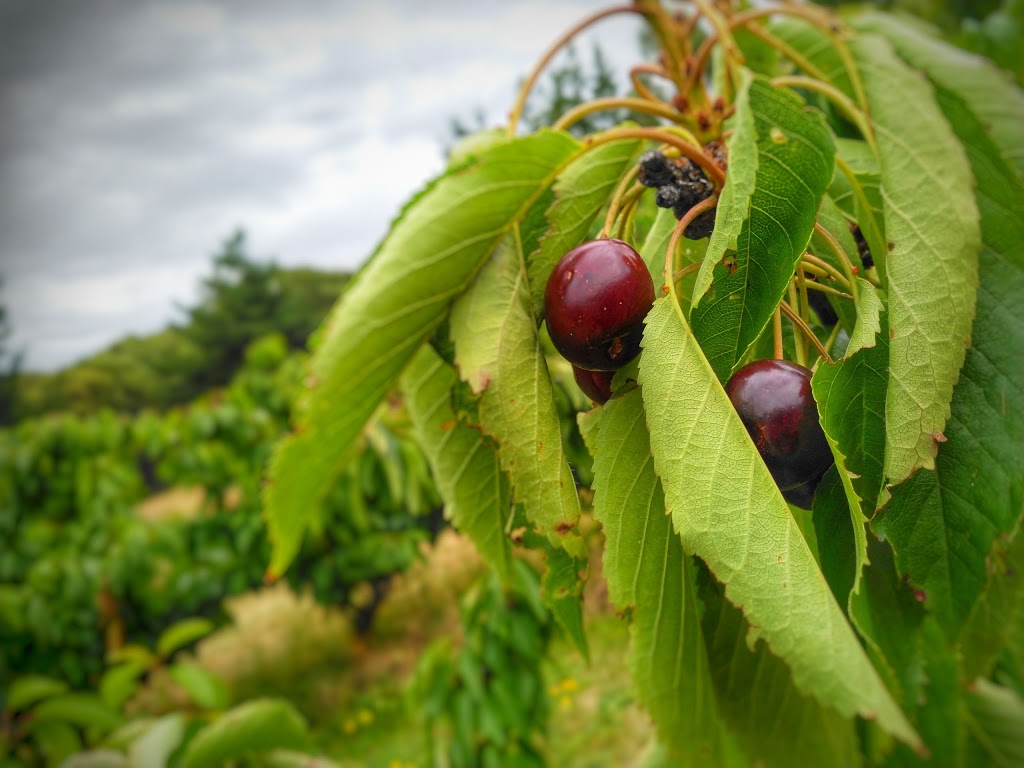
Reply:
x=597 y=385
x=774 y=401
x=595 y=303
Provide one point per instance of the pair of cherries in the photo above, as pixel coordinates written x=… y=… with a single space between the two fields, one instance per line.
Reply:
x=595 y=303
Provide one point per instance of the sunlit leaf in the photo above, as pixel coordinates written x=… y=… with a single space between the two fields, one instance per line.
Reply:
x=464 y=462
x=932 y=267
x=647 y=571
x=729 y=512
x=431 y=255
x=252 y=728
x=497 y=351
x=793 y=167
x=943 y=524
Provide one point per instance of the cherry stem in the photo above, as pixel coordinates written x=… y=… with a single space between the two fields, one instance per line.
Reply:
x=616 y=202
x=833 y=94
x=693 y=151
x=841 y=255
x=561 y=42
x=786 y=50
x=858 y=192
x=799 y=343
x=831 y=340
x=813 y=285
x=577 y=113
x=723 y=32
x=629 y=208
x=810 y=259
x=689 y=269
x=670 y=252
x=777 y=350
x=791 y=313
x=665 y=29
x=638 y=84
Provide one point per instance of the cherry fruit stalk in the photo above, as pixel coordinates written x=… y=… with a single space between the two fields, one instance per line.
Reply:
x=595 y=303
x=774 y=401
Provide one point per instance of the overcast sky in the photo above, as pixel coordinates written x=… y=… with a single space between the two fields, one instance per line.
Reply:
x=136 y=136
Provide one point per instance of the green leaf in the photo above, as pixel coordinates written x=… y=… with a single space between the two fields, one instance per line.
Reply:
x=497 y=351
x=581 y=190
x=206 y=689
x=25 y=691
x=833 y=220
x=988 y=92
x=944 y=524
x=431 y=255
x=119 y=683
x=646 y=570
x=154 y=748
x=793 y=167
x=734 y=199
x=86 y=710
x=997 y=612
x=463 y=461
x=253 y=728
x=57 y=741
x=183 y=633
x=860 y=197
x=656 y=242
x=756 y=694
x=729 y=512
x=851 y=404
x=932 y=267
x=815 y=46
x=562 y=588
x=996 y=720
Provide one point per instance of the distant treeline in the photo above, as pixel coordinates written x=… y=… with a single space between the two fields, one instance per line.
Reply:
x=242 y=300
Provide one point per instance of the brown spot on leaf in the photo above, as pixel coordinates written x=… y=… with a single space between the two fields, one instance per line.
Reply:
x=563 y=529
x=447 y=426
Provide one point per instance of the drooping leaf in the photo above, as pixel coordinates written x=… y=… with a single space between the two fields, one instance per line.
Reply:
x=255 y=727
x=734 y=199
x=988 y=92
x=943 y=524
x=996 y=720
x=497 y=351
x=581 y=190
x=464 y=462
x=562 y=589
x=729 y=512
x=793 y=168
x=999 y=610
x=851 y=403
x=655 y=244
x=932 y=267
x=647 y=571
x=119 y=683
x=431 y=255
x=757 y=696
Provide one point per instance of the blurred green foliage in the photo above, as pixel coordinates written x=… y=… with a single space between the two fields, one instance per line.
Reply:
x=241 y=301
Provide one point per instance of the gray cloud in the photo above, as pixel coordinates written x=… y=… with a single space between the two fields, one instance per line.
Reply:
x=135 y=136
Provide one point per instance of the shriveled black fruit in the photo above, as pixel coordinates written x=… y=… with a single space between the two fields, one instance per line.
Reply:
x=595 y=303
x=862 y=247
x=681 y=184
x=774 y=401
x=656 y=170
x=597 y=385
